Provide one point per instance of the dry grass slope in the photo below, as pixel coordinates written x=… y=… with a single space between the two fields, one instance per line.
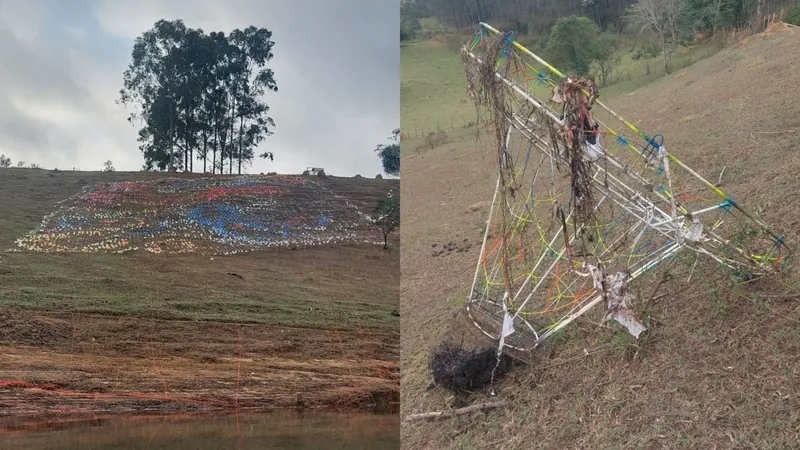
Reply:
x=717 y=370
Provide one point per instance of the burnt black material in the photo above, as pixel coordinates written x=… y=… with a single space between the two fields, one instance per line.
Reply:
x=464 y=370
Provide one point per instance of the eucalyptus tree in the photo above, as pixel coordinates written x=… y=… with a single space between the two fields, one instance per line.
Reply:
x=197 y=95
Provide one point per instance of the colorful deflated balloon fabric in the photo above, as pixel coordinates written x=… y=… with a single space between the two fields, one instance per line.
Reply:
x=201 y=215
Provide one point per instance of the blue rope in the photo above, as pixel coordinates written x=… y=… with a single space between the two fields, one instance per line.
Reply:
x=509 y=40
x=652 y=141
x=643 y=246
x=726 y=205
x=652 y=145
x=541 y=79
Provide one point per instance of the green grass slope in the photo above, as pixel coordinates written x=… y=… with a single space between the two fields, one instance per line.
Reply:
x=433 y=89
x=330 y=287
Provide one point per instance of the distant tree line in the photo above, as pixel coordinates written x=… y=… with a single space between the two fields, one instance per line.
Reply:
x=582 y=35
x=199 y=96
x=5 y=162
x=537 y=17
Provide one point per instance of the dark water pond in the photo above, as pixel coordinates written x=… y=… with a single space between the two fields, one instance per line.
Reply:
x=269 y=430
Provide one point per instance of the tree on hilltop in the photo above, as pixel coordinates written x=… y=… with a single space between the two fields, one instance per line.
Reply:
x=387 y=215
x=390 y=154
x=5 y=161
x=199 y=95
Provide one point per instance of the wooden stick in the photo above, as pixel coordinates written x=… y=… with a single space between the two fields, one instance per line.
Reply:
x=774 y=132
x=455 y=412
x=719 y=182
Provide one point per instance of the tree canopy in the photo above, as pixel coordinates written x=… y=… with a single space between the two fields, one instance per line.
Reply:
x=572 y=43
x=390 y=154
x=199 y=96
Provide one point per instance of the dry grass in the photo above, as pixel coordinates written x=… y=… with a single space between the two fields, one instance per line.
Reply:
x=716 y=370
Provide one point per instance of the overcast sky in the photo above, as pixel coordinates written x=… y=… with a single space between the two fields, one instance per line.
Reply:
x=337 y=65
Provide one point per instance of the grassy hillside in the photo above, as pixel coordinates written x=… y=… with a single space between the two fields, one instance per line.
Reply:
x=278 y=287
x=195 y=318
x=433 y=86
x=718 y=369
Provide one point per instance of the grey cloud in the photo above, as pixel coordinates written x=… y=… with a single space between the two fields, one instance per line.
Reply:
x=29 y=72
x=336 y=63
x=28 y=68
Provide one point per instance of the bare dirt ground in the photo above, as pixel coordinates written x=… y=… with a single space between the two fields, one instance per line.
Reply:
x=105 y=333
x=718 y=368
x=80 y=363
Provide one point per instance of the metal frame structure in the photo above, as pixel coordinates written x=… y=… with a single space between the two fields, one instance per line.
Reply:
x=642 y=186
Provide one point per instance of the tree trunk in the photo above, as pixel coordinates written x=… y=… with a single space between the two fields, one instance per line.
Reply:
x=193 y=133
x=214 y=160
x=241 y=131
x=171 y=138
x=205 y=152
x=223 y=146
x=230 y=139
x=597 y=12
x=759 y=15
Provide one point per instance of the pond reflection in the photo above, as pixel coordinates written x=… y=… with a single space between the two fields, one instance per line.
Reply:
x=268 y=430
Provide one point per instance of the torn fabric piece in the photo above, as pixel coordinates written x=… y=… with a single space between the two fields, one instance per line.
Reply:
x=593 y=152
x=620 y=303
x=627 y=319
x=694 y=232
x=558 y=95
x=508 y=325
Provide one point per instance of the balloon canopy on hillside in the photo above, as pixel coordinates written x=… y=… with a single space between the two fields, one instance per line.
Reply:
x=202 y=215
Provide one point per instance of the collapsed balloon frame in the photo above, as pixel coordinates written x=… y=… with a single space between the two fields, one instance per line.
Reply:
x=673 y=222
x=201 y=215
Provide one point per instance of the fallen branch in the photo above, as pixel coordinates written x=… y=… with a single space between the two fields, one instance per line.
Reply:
x=455 y=412
x=774 y=132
